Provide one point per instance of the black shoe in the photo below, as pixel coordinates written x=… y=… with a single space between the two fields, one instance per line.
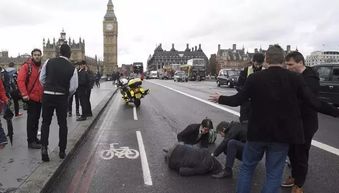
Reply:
x=226 y=173
x=62 y=154
x=69 y=114
x=78 y=114
x=37 y=141
x=81 y=119
x=34 y=145
x=44 y=154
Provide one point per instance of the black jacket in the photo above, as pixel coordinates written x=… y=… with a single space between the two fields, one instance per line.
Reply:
x=245 y=108
x=189 y=160
x=84 y=79
x=309 y=115
x=237 y=131
x=190 y=136
x=276 y=116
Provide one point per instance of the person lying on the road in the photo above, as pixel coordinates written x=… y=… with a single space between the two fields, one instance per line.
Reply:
x=235 y=135
x=189 y=160
x=196 y=133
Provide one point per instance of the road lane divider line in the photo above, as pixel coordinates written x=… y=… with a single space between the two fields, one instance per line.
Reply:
x=135 y=116
x=325 y=147
x=144 y=162
x=202 y=100
x=315 y=143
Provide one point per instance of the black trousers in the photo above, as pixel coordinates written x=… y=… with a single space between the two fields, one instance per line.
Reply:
x=233 y=150
x=88 y=100
x=70 y=103
x=299 y=154
x=82 y=92
x=33 y=116
x=16 y=105
x=58 y=103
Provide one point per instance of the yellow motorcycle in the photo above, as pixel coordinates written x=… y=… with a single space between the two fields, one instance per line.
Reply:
x=132 y=91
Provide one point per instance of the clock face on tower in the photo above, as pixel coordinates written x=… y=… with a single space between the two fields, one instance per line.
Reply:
x=109 y=27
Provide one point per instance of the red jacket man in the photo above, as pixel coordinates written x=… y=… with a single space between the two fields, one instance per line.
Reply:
x=31 y=91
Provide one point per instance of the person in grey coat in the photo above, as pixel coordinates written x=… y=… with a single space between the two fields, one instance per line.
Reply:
x=189 y=160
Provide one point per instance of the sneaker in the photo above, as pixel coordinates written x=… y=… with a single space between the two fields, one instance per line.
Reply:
x=3 y=144
x=44 y=154
x=297 y=189
x=226 y=173
x=289 y=182
x=34 y=145
x=18 y=115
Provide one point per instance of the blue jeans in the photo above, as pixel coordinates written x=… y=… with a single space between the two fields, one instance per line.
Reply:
x=275 y=159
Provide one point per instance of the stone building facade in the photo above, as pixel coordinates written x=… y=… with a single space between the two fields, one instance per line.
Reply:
x=161 y=58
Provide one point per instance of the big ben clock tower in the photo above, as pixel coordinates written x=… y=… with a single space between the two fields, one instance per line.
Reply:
x=110 y=29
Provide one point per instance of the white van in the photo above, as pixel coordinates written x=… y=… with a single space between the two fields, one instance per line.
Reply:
x=153 y=75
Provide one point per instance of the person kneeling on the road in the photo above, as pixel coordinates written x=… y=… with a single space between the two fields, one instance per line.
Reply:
x=196 y=133
x=235 y=135
x=189 y=160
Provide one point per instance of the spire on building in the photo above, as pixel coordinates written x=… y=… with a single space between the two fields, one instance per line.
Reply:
x=110 y=11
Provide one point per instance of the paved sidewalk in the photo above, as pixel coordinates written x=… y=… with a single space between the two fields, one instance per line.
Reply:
x=17 y=162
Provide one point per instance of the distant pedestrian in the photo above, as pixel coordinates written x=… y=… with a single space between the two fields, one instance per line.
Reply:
x=3 y=101
x=97 y=79
x=13 y=86
x=196 y=133
x=274 y=121
x=299 y=153
x=91 y=85
x=83 y=89
x=31 y=91
x=60 y=79
x=76 y=98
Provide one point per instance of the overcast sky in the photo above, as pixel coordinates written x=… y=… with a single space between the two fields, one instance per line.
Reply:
x=307 y=24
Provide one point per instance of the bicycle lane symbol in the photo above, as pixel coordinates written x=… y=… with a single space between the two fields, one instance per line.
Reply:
x=120 y=152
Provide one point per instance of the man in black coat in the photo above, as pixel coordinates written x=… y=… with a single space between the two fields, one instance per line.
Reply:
x=189 y=160
x=299 y=153
x=83 y=89
x=235 y=136
x=257 y=65
x=196 y=133
x=275 y=121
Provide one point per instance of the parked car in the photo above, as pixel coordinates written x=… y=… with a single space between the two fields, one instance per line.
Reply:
x=329 y=82
x=228 y=77
x=180 y=76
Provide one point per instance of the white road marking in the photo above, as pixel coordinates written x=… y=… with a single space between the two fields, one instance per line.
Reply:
x=325 y=147
x=135 y=115
x=315 y=143
x=144 y=162
x=202 y=100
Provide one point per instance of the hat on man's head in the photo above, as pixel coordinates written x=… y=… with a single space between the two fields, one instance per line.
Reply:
x=65 y=50
x=207 y=123
x=222 y=125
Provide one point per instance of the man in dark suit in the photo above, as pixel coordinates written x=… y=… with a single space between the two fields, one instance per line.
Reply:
x=189 y=160
x=299 y=153
x=275 y=121
x=196 y=133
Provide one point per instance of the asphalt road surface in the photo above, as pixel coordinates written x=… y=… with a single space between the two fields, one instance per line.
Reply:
x=136 y=137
